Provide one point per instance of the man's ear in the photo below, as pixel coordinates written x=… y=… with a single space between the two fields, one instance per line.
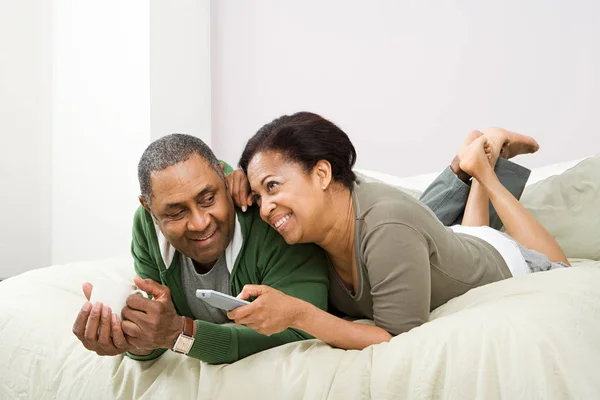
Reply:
x=147 y=207
x=323 y=172
x=144 y=204
x=222 y=164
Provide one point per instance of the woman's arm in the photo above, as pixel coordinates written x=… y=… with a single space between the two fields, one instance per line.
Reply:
x=338 y=332
x=273 y=311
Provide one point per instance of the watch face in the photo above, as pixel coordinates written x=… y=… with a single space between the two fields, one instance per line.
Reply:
x=183 y=344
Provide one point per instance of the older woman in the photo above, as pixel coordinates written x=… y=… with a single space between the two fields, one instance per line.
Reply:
x=391 y=259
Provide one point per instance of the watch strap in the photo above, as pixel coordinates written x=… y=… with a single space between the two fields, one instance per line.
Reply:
x=188 y=326
x=185 y=340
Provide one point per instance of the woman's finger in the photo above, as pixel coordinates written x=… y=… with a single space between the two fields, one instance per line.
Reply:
x=241 y=312
x=253 y=291
x=244 y=188
x=238 y=193
x=229 y=183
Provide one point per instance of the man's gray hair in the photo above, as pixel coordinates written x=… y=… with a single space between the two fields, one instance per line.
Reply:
x=168 y=151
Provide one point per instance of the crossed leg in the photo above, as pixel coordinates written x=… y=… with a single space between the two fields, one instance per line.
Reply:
x=477 y=160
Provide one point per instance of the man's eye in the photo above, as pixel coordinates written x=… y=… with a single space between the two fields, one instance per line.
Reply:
x=271 y=185
x=255 y=199
x=176 y=215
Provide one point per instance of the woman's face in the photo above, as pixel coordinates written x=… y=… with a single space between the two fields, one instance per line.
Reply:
x=290 y=200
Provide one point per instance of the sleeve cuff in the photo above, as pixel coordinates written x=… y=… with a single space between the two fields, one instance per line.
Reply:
x=155 y=354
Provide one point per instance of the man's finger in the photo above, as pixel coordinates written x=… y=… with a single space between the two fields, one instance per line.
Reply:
x=135 y=316
x=81 y=320
x=249 y=200
x=151 y=287
x=118 y=336
x=104 y=335
x=137 y=302
x=87 y=290
x=131 y=330
x=91 y=328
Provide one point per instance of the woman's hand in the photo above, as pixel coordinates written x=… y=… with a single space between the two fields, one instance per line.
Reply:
x=239 y=189
x=272 y=311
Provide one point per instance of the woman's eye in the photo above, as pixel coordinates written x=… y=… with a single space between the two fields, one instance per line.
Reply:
x=271 y=185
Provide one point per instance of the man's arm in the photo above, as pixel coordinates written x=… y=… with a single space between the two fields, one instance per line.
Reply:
x=300 y=271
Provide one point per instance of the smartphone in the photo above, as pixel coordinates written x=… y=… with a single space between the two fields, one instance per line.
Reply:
x=220 y=300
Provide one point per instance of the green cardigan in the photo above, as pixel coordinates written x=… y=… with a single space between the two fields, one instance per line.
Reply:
x=299 y=270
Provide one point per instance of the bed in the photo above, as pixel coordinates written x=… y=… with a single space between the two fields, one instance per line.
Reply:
x=537 y=336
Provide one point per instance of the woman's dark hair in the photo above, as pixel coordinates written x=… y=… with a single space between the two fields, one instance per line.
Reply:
x=305 y=138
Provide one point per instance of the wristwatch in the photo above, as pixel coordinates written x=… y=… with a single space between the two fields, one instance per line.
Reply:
x=184 y=342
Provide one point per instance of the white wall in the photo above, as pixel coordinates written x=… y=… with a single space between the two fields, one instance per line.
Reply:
x=101 y=124
x=84 y=88
x=25 y=155
x=407 y=80
x=180 y=68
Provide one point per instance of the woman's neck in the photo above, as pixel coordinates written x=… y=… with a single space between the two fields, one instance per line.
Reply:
x=338 y=230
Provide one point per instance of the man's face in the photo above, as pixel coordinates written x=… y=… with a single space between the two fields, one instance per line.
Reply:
x=193 y=209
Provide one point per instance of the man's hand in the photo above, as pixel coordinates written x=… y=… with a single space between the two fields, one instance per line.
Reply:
x=239 y=189
x=99 y=329
x=151 y=323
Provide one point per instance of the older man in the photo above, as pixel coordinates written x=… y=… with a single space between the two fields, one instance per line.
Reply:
x=186 y=236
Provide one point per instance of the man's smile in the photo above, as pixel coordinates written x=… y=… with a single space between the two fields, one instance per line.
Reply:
x=204 y=240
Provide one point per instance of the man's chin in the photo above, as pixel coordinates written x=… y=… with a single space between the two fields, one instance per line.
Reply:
x=206 y=257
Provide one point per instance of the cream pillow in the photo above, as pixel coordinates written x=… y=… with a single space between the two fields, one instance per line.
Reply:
x=568 y=205
x=373 y=176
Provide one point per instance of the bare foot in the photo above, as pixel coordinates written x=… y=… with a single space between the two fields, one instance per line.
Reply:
x=515 y=143
x=455 y=165
x=493 y=147
x=475 y=158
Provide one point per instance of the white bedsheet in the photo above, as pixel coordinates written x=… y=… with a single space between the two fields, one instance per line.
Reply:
x=536 y=336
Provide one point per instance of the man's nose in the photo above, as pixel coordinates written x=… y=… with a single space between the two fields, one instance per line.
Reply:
x=199 y=221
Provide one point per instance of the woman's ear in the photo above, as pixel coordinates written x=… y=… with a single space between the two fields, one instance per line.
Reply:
x=323 y=173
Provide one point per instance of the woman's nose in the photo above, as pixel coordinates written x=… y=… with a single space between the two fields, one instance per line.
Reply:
x=266 y=207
